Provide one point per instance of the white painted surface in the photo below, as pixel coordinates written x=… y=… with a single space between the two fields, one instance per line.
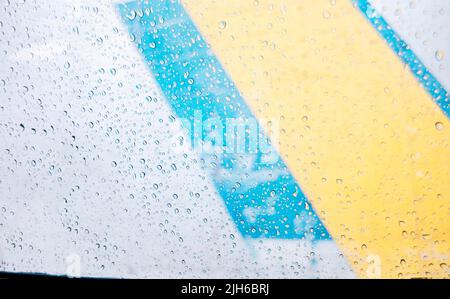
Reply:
x=425 y=26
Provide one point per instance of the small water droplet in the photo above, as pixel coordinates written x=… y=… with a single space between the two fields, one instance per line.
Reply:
x=439 y=126
x=222 y=25
x=439 y=55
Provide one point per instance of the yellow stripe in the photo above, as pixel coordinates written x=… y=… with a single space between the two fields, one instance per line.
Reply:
x=358 y=132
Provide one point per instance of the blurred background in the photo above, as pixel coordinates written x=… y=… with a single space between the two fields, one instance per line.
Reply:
x=98 y=177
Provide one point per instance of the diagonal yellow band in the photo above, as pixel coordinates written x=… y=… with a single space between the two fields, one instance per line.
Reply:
x=366 y=143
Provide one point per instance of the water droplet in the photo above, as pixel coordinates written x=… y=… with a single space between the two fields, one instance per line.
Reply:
x=222 y=25
x=132 y=15
x=439 y=55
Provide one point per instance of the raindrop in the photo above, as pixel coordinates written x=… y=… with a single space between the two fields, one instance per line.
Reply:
x=222 y=25
x=439 y=55
x=439 y=126
x=326 y=14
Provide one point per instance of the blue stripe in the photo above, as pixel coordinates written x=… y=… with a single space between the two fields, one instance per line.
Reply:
x=427 y=80
x=263 y=198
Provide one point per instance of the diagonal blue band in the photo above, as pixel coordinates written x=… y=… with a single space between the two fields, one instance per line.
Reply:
x=259 y=191
x=428 y=81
